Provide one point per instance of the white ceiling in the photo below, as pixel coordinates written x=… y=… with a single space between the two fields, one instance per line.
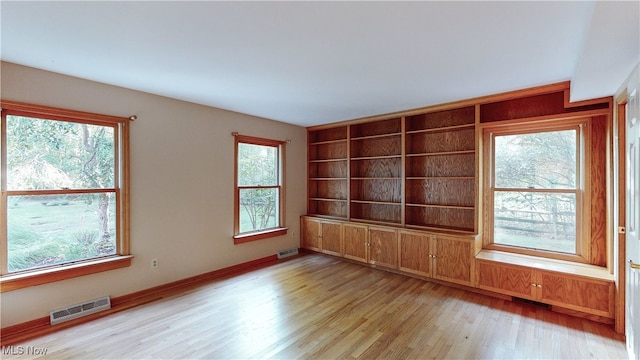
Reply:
x=310 y=63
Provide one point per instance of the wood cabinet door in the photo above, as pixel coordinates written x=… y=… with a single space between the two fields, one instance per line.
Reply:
x=355 y=241
x=310 y=233
x=414 y=253
x=591 y=296
x=452 y=259
x=331 y=237
x=506 y=279
x=383 y=247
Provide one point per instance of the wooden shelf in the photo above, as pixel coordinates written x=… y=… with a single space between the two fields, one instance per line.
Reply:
x=440 y=229
x=328 y=142
x=327 y=179
x=441 y=119
x=441 y=142
x=328 y=199
x=441 y=129
x=379 y=212
x=375 y=222
x=375 y=136
x=374 y=129
x=422 y=167
x=442 y=206
x=376 y=202
x=327 y=135
x=328 y=184
x=440 y=177
x=441 y=153
x=377 y=157
x=328 y=160
x=376 y=178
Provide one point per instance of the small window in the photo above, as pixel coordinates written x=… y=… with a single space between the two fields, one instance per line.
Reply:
x=62 y=188
x=259 y=188
x=536 y=189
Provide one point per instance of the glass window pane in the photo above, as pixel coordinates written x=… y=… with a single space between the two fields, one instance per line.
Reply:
x=46 y=155
x=258 y=209
x=545 y=160
x=45 y=230
x=545 y=221
x=257 y=165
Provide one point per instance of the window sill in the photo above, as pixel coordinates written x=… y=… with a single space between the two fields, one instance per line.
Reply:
x=259 y=235
x=38 y=277
x=535 y=262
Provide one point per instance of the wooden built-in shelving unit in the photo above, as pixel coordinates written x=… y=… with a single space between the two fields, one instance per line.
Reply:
x=441 y=170
x=403 y=192
x=376 y=171
x=328 y=185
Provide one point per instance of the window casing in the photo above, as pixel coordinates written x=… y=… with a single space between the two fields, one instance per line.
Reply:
x=259 y=188
x=537 y=188
x=64 y=206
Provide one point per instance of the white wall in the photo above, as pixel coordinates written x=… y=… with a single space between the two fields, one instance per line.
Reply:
x=181 y=188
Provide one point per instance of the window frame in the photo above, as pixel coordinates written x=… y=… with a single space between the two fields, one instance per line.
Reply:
x=122 y=257
x=280 y=229
x=582 y=191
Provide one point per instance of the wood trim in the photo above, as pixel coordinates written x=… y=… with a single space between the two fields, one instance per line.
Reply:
x=535 y=122
x=620 y=261
x=125 y=189
x=257 y=140
x=121 y=130
x=538 y=90
x=63 y=272
x=41 y=326
x=281 y=148
x=546 y=264
x=59 y=113
x=568 y=104
x=3 y=193
x=243 y=238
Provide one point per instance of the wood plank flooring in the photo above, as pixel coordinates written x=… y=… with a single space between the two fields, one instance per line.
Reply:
x=317 y=307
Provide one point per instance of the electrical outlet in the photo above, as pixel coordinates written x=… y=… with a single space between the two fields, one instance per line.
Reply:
x=154 y=263
x=293 y=234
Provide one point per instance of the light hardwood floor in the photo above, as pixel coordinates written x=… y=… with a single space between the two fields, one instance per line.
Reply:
x=324 y=308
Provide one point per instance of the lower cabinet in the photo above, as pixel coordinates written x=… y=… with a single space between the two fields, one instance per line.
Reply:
x=356 y=242
x=453 y=258
x=580 y=293
x=322 y=235
x=383 y=247
x=443 y=257
x=370 y=244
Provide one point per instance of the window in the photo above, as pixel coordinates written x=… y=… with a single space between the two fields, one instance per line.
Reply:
x=259 y=189
x=536 y=189
x=63 y=191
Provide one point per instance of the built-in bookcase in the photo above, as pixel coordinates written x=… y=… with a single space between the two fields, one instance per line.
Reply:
x=416 y=171
x=441 y=170
x=328 y=185
x=376 y=171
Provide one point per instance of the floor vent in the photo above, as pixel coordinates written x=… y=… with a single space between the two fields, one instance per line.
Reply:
x=531 y=302
x=287 y=253
x=79 y=310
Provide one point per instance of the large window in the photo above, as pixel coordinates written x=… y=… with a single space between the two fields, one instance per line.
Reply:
x=62 y=181
x=536 y=188
x=259 y=188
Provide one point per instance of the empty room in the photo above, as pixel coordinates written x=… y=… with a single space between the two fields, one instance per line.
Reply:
x=320 y=179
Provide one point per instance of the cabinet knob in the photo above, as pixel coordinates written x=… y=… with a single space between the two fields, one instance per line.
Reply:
x=534 y=285
x=539 y=285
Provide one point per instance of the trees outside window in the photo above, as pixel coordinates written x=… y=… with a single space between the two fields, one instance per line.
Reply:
x=62 y=198
x=536 y=187
x=259 y=186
